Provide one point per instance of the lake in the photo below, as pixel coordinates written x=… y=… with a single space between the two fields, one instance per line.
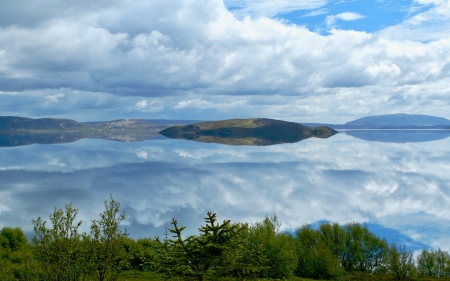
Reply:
x=398 y=182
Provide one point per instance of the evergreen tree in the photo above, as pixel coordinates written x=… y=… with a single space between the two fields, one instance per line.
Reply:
x=217 y=250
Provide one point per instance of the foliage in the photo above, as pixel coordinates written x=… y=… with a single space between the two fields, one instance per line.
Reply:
x=105 y=247
x=326 y=251
x=434 y=263
x=221 y=251
x=363 y=250
x=316 y=258
x=12 y=238
x=217 y=250
x=59 y=249
x=64 y=253
x=278 y=248
x=400 y=262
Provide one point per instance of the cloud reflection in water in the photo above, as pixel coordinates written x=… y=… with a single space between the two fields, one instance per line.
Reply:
x=402 y=186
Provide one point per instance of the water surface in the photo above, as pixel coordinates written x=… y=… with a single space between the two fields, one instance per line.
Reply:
x=400 y=188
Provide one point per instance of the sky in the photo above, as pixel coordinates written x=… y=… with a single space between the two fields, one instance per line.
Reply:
x=306 y=61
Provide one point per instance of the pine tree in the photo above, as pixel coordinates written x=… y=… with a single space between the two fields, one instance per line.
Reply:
x=217 y=250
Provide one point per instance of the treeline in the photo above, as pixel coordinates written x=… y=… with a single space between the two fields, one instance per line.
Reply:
x=59 y=251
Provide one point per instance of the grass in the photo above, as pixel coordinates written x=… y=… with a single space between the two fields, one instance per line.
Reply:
x=355 y=276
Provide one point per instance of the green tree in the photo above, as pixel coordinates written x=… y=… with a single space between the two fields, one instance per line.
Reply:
x=59 y=249
x=332 y=236
x=400 y=262
x=218 y=249
x=64 y=253
x=16 y=258
x=316 y=258
x=434 y=263
x=363 y=250
x=279 y=248
x=12 y=238
x=106 y=253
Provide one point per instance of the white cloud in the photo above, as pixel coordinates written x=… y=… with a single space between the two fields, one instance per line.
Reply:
x=141 y=104
x=347 y=16
x=126 y=59
x=148 y=105
x=56 y=162
x=142 y=154
x=8 y=93
x=199 y=103
x=10 y=168
x=430 y=25
x=55 y=98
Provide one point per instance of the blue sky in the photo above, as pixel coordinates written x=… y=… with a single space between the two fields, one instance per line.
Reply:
x=362 y=15
x=310 y=61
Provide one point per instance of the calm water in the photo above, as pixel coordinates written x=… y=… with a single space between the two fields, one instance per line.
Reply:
x=399 y=183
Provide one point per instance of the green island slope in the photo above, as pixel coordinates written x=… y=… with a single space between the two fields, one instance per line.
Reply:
x=255 y=131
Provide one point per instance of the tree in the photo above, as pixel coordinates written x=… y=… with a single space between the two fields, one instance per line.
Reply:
x=218 y=249
x=316 y=258
x=64 y=253
x=279 y=248
x=59 y=249
x=364 y=250
x=106 y=253
x=400 y=263
x=433 y=263
x=12 y=238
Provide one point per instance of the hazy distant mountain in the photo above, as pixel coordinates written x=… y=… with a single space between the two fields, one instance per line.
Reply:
x=12 y=123
x=255 y=131
x=391 y=121
x=400 y=120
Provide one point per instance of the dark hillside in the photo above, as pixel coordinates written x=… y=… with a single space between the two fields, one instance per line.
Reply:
x=400 y=120
x=11 y=123
x=247 y=132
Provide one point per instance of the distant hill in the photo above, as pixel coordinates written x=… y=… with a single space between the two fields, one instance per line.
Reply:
x=391 y=121
x=12 y=123
x=400 y=120
x=255 y=131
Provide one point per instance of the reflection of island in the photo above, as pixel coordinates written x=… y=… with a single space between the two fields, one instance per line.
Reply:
x=256 y=132
x=26 y=138
x=17 y=131
x=399 y=136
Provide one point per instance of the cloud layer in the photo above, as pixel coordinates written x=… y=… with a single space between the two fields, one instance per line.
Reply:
x=167 y=57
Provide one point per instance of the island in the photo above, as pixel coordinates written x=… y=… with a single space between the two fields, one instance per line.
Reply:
x=254 y=131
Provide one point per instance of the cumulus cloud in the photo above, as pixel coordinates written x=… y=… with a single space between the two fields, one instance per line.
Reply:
x=54 y=98
x=132 y=59
x=202 y=104
x=430 y=25
x=347 y=16
x=149 y=105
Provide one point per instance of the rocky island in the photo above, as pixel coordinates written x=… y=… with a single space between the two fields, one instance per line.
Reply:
x=256 y=131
